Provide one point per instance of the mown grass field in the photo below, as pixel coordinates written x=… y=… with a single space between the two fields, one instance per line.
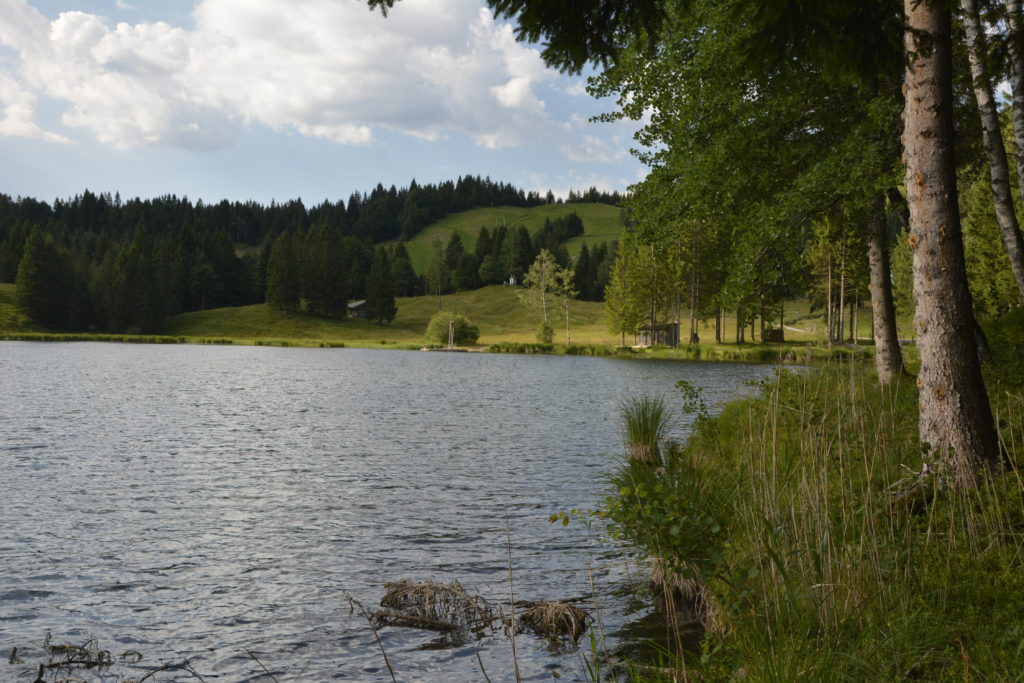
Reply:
x=497 y=310
x=601 y=223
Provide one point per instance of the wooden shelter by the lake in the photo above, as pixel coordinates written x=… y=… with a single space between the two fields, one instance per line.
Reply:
x=666 y=334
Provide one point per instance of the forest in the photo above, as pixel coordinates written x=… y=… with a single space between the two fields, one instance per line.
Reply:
x=96 y=262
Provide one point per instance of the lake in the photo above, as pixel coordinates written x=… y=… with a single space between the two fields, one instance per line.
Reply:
x=201 y=501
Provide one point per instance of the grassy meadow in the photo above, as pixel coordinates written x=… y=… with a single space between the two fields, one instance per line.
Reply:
x=601 y=223
x=798 y=529
x=497 y=310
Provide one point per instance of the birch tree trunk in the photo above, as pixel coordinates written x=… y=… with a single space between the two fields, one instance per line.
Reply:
x=992 y=139
x=955 y=416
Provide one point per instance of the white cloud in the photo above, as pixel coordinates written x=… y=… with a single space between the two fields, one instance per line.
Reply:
x=323 y=68
x=576 y=89
x=17 y=109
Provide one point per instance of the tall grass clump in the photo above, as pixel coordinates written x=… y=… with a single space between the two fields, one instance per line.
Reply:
x=645 y=421
x=809 y=544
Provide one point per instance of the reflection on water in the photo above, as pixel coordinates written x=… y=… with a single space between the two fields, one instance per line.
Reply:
x=194 y=501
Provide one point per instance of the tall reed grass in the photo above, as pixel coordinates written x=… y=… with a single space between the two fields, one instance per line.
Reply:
x=800 y=517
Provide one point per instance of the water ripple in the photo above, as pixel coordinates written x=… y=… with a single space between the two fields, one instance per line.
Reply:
x=201 y=501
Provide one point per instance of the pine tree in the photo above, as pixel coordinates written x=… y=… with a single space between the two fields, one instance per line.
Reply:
x=282 y=275
x=380 y=291
x=402 y=273
x=42 y=292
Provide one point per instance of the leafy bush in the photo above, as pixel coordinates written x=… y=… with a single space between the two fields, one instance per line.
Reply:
x=544 y=333
x=466 y=332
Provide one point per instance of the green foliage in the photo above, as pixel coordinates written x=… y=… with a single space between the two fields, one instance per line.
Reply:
x=544 y=333
x=465 y=332
x=827 y=556
x=283 y=274
x=545 y=285
x=380 y=293
x=44 y=283
x=521 y=347
x=993 y=287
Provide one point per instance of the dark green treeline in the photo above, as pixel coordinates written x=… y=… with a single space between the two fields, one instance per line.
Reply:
x=95 y=262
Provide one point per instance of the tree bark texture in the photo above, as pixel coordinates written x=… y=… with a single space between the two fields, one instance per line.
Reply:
x=955 y=416
x=888 y=357
x=992 y=139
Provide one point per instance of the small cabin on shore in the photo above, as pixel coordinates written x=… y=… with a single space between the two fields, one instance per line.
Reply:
x=357 y=309
x=666 y=334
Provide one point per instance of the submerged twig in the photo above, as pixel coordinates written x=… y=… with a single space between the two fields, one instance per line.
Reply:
x=387 y=662
x=257 y=660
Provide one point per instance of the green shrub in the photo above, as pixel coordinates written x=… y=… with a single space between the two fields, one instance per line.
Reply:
x=544 y=333
x=466 y=332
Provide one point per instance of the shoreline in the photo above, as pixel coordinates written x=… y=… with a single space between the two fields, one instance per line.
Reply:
x=798 y=353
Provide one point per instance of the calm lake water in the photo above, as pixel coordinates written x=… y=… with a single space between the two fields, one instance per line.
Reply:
x=195 y=501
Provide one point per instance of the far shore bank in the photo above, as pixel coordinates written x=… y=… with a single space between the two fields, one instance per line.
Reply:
x=756 y=352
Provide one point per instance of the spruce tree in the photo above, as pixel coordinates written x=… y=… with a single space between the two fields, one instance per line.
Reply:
x=380 y=291
x=402 y=274
x=41 y=294
x=282 y=275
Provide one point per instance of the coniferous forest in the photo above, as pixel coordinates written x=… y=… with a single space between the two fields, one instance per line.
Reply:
x=98 y=262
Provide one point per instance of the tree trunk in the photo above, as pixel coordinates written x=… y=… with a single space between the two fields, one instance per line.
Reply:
x=992 y=137
x=888 y=357
x=853 y=320
x=568 y=335
x=841 y=306
x=955 y=416
x=762 y=318
x=718 y=324
x=828 y=298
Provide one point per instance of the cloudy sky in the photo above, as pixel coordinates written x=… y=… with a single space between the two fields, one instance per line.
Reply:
x=274 y=99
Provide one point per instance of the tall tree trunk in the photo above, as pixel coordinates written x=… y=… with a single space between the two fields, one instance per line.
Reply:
x=955 y=416
x=853 y=319
x=992 y=137
x=828 y=297
x=718 y=324
x=888 y=357
x=841 y=306
x=762 y=318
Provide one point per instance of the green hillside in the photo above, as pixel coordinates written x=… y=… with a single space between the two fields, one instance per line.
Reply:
x=601 y=223
x=495 y=309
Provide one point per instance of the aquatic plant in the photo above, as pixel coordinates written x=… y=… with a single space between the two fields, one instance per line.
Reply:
x=645 y=421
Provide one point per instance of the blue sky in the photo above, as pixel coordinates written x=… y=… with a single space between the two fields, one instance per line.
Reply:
x=275 y=99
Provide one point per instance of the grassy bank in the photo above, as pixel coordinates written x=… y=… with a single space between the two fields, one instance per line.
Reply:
x=506 y=325
x=790 y=526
